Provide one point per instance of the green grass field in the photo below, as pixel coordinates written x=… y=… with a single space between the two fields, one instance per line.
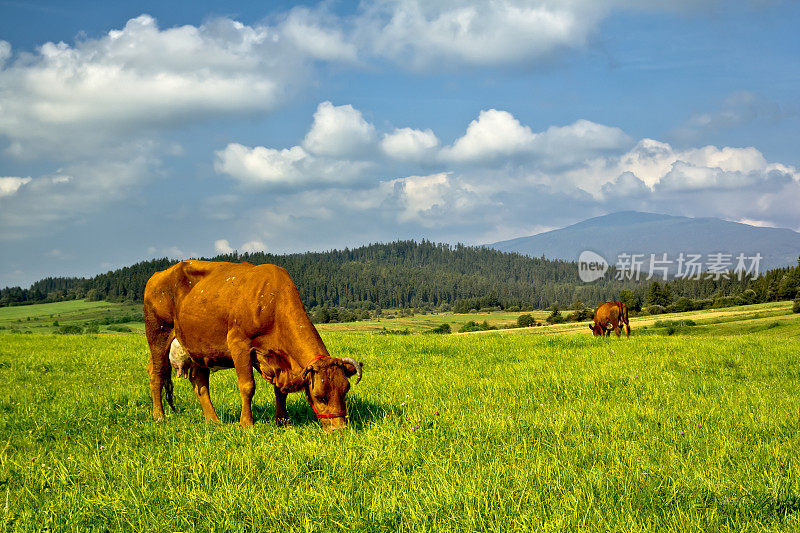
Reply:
x=541 y=428
x=40 y=318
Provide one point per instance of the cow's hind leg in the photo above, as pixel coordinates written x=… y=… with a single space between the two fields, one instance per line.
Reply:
x=159 y=337
x=199 y=378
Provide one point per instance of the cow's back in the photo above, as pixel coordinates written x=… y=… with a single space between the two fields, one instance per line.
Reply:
x=607 y=313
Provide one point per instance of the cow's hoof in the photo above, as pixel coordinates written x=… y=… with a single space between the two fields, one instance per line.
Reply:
x=283 y=422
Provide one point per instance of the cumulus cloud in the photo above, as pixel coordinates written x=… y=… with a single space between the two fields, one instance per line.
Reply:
x=422 y=193
x=574 y=143
x=498 y=134
x=142 y=76
x=407 y=144
x=222 y=246
x=425 y=34
x=293 y=167
x=490 y=179
x=260 y=164
x=254 y=246
x=497 y=161
x=10 y=185
x=339 y=131
x=73 y=192
x=493 y=134
x=5 y=52
x=305 y=29
x=658 y=165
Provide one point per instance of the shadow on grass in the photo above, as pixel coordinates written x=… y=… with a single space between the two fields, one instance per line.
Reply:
x=360 y=412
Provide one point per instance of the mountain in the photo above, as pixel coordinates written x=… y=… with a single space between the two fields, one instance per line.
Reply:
x=649 y=233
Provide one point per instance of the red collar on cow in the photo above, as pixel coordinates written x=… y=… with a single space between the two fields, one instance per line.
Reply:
x=340 y=414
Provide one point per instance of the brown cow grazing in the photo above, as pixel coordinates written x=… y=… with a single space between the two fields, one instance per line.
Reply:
x=202 y=316
x=609 y=316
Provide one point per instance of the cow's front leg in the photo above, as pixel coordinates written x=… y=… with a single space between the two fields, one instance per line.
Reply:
x=281 y=415
x=240 y=349
x=199 y=378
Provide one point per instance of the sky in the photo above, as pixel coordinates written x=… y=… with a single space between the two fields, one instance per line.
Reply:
x=139 y=130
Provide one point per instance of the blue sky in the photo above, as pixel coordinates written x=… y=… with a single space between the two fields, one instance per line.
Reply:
x=149 y=129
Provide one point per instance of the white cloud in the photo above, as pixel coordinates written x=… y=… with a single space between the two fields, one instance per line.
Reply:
x=339 y=131
x=443 y=34
x=493 y=134
x=10 y=185
x=254 y=246
x=142 y=76
x=494 y=174
x=572 y=144
x=305 y=30
x=287 y=168
x=757 y=223
x=408 y=144
x=222 y=246
x=5 y=52
x=261 y=165
x=73 y=192
x=426 y=200
x=498 y=134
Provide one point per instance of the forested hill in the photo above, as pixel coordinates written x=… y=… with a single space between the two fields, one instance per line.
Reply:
x=398 y=274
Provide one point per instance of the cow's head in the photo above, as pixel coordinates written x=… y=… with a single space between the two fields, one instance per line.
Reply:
x=326 y=385
x=597 y=330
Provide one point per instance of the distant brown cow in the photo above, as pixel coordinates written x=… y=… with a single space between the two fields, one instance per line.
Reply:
x=609 y=316
x=241 y=316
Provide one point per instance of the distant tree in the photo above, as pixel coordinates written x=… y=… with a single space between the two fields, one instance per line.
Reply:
x=93 y=295
x=659 y=294
x=796 y=305
x=555 y=316
x=526 y=321
x=442 y=329
x=631 y=301
x=69 y=329
x=788 y=286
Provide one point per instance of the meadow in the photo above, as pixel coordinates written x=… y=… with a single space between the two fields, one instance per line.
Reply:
x=678 y=428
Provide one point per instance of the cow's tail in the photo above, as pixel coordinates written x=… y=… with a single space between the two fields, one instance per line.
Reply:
x=168 y=389
x=625 y=319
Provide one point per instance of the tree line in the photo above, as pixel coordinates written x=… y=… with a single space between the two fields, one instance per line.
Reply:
x=426 y=275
